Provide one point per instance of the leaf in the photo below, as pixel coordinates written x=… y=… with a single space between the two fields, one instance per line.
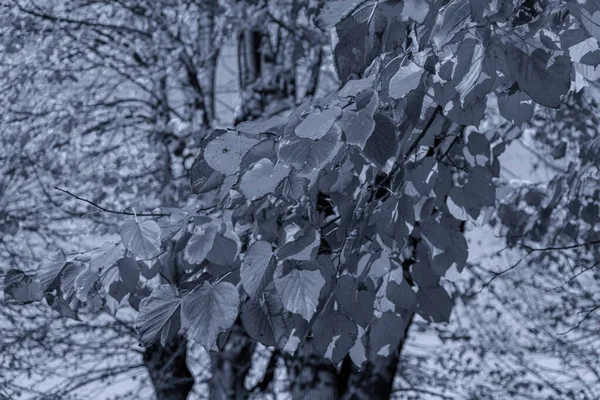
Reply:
x=225 y=250
x=225 y=152
x=256 y=127
x=203 y=178
x=117 y=290
x=415 y=10
x=267 y=321
x=434 y=304
x=23 y=288
x=382 y=144
x=470 y=56
x=355 y=302
x=159 y=316
x=477 y=9
x=478 y=192
x=333 y=11
x=199 y=245
x=49 y=272
x=385 y=334
x=316 y=124
x=590 y=21
x=257 y=268
x=374 y=28
x=129 y=272
x=334 y=334
x=545 y=85
x=299 y=290
x=446 y=247
x=402 y=296
x=262 y=179
x=450 y=22
x=303 y=247
x=209 y=310
x=517 y=108
x=84 y=282
x=67 y=284
x=308 y=155
x=141 y=238
x=407 y=79
x=107 y=255
x=292 y=187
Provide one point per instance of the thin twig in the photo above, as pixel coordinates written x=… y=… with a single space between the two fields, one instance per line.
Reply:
x=109 y=210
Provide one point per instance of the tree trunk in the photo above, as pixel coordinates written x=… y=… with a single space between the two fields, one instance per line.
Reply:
x=375 y=380
x=168 y=370
x=231 y=365
x=312 y=377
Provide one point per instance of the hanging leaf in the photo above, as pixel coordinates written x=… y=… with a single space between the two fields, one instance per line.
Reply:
x=225 y=249
x=415 y=10
x=225 y=152
x=450 y=22
x=477 y=193
x=262 y=179
x=308 y=155
x=332 y=12
x=257 y=127
x=357 y=127
x=334 y=334
x=23 y=288
x=200 y=243
x=371 y=29
x=209 y=310
x=129 y=272
x=299 y=290
x=159 y=316
x=303 y=247
x=382 y=144
x=385 y=335
x=107 y=255
x=67 y=284
x=266 y=321
x=545 y=85
x=434 y=304
x=50 y=271
x=355 y=302
x=589 y=18
x=316 y=124
x=470 y=57
x=84 y=282
x=257 y=268
x=292 y=187
x=203 y=178
x=407 y=79
x=141 y=238
x=517 y=108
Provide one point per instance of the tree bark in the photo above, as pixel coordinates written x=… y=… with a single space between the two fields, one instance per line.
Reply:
x=312 y=378
x=375 y=380
x=168 y=370
x=231 y=365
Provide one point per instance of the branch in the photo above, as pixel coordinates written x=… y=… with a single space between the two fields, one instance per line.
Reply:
x=570 y=247
x=413 y=146
x=587 y=314
x=108 y=210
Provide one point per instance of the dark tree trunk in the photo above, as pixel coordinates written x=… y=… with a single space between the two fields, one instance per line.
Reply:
x=316 y=378
x=231 y=365
x=168 y=370
x=375 y=381
x=312 y=378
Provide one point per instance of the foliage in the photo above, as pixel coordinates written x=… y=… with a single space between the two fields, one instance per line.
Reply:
x=353 y=208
